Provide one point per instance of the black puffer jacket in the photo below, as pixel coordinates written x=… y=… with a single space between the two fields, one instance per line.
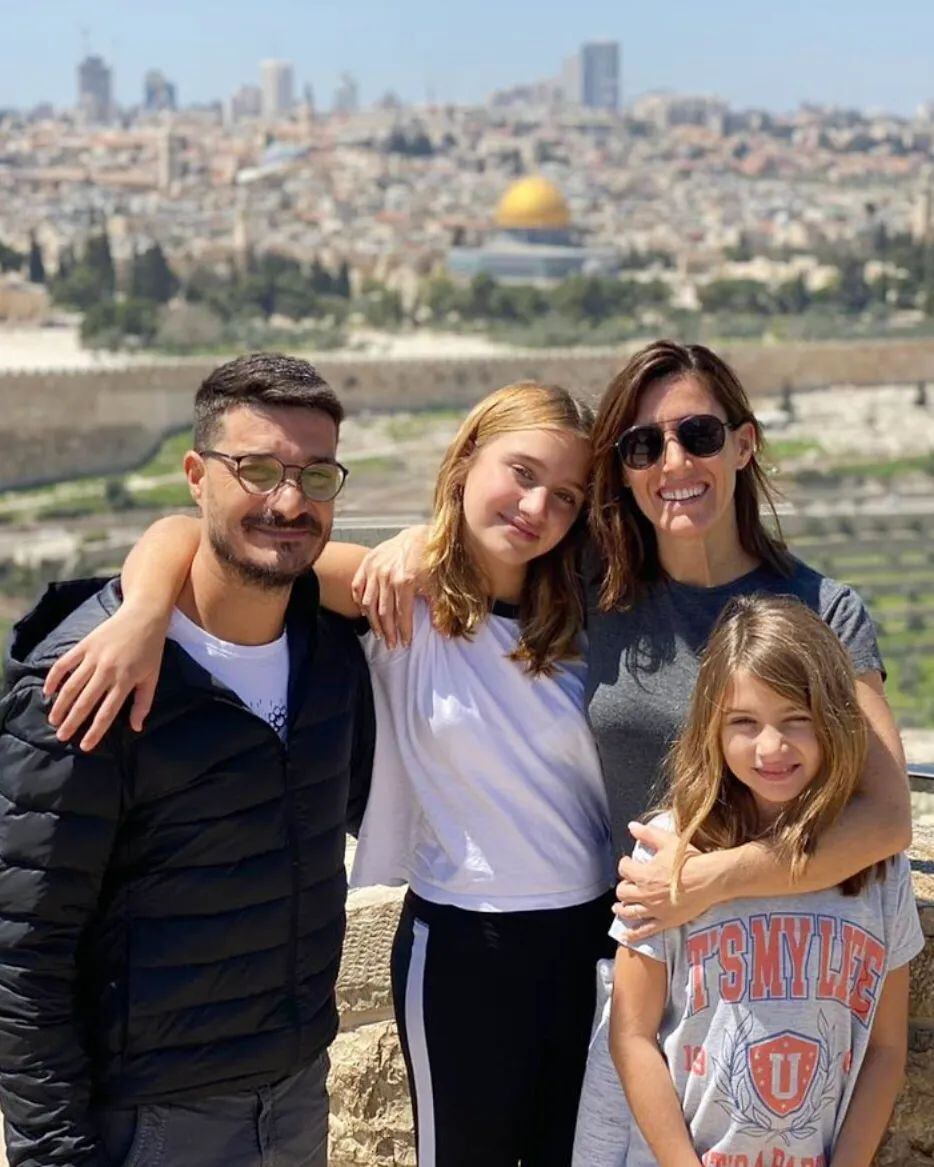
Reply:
x=171 y=905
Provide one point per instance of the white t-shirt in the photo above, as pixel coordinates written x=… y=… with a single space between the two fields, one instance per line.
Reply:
x=487 y=791
x=257 y=673
x=770 y=1005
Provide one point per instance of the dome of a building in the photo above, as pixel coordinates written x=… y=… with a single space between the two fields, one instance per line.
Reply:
x=533 y=204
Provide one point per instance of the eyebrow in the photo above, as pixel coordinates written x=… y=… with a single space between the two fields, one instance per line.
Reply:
x=787 y=708
x=269 y=454
x=541 y=466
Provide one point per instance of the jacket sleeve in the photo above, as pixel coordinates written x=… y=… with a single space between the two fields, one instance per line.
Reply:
x=59 y=810
x=361 y=761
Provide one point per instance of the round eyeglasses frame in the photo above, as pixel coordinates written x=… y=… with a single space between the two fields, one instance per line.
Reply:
x=291 y=472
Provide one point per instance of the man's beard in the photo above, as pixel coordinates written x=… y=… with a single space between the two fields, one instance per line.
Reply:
x=268 y=577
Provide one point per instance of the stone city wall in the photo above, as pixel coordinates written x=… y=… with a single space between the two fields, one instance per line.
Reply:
x=371 y=1119
x=58 y=424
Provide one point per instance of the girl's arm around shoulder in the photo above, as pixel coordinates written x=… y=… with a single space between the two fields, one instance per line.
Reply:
x=640 y=991
x=335 y=568
x=880 y=1077
x=123 y=655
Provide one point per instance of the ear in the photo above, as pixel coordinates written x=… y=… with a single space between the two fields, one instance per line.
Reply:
x=745 y=436
x=195 y=468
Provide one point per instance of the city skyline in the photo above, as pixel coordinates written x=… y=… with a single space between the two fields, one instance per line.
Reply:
x=744 y=53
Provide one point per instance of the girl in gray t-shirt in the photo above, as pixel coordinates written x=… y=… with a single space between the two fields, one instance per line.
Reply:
x=767 y=1031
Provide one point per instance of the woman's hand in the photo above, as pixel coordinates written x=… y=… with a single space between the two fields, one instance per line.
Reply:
x=387 y=582
x=121 y=656
x=644 y=890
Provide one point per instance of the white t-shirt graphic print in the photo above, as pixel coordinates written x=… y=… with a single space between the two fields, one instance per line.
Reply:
x=257 y=673
x=770 y=1006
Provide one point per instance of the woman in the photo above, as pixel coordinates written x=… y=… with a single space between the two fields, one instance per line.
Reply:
x=487 y=798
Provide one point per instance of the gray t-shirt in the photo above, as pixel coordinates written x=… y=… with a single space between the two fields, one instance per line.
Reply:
x=642 y=665
x=770 y=1005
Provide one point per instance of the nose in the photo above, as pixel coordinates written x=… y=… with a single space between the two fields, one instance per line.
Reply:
x=770 y=743
x=673 y=454
x=535 y=502
x=289 y=499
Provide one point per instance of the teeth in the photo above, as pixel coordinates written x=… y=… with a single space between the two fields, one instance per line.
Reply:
x=682 y=495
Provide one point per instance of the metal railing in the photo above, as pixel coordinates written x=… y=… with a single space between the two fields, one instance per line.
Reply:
x=921 y=777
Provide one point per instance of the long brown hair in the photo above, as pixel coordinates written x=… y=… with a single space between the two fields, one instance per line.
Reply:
x=788 y=647
x=624 y=537
x=551 y=610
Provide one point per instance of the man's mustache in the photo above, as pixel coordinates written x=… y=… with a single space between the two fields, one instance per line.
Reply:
x=273 y=521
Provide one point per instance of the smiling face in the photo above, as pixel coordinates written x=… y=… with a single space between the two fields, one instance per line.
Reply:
x=683 y=496
x=268 y=540
x=769 y=743
x=522 y=492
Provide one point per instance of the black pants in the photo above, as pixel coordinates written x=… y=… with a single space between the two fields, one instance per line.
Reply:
x=494 y=1013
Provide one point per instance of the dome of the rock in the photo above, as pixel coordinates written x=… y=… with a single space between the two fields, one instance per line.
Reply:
x=533 y=204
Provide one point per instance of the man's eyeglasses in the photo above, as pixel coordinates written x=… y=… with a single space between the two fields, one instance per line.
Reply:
x=264 y=473
x=701 y=435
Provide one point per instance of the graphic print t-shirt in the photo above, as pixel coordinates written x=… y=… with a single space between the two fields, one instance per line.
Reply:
x=770 y=1004
x=257 y=673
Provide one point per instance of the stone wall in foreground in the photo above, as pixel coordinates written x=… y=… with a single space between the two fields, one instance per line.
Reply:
x=371 y=1121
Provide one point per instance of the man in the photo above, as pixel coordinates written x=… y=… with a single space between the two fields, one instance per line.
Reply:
x=172 y=903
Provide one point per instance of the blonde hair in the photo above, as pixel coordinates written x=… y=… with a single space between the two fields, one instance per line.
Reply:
x=623 y=536
x=551 y=609
x=790 y=649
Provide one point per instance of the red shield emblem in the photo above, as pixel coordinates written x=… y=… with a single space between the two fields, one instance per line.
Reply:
x=782 y=1069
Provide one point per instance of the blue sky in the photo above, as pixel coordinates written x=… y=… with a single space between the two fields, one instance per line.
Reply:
x=875 y=54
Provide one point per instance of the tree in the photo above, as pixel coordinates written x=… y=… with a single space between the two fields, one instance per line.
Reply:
x=341 y=283
x=36 y=266
x=442 y=296
x=151 y=277
x=10 y=258
x=481 y=296
x=740 y=296
x=321 y=279
x=853 y=293
x=98 y=261
x=109 y=323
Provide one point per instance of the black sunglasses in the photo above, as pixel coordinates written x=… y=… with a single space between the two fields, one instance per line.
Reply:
x=701 y=435
x=264 y=473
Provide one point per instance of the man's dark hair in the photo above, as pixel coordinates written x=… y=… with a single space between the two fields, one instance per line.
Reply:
x=260 y=379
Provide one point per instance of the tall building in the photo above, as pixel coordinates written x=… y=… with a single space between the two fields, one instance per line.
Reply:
x=95 y=101
x=599 y=75
x=276 y=83
x=158 y=92
x=169 y=160
x=247 y=102
x=346 y=95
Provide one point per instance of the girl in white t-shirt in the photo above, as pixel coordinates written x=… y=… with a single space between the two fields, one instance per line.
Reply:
x=765 y=1031
x=487 y=796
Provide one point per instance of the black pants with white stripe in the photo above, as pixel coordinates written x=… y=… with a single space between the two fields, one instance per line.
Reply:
x=494 y=1013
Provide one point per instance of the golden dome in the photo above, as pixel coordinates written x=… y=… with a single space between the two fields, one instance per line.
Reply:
x=533 y=203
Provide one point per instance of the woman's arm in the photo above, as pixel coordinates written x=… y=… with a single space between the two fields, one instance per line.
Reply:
x=640 y=990
x=875 y=824
x=880 y=1077
x=122 y=655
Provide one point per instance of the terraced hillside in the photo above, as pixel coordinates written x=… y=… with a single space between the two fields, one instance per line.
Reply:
x=890 y=561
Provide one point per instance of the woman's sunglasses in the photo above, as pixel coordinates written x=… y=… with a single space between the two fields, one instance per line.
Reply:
x=701 y=435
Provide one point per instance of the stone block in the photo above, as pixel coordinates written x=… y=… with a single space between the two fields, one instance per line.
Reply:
x=371 y=1119
x=363 y=989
